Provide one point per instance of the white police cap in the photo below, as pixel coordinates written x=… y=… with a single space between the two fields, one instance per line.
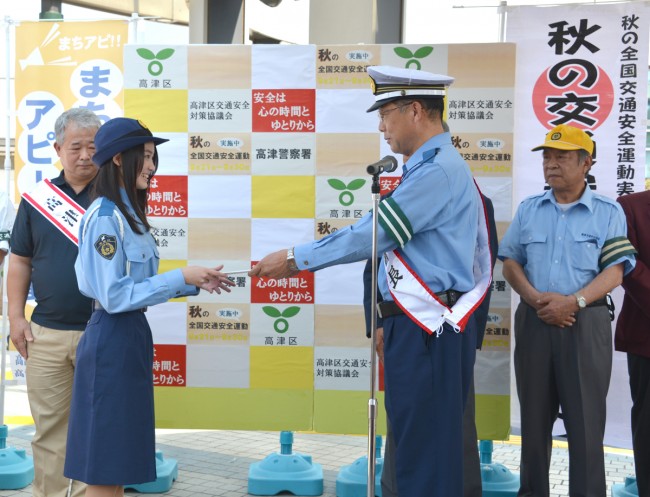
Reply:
x=390 y=83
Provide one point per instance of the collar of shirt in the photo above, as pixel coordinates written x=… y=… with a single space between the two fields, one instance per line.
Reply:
x=60 y=181
x=585 y=199
x=63 y=185
x=426 y=151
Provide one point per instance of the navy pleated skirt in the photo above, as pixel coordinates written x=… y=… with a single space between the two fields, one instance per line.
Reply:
x=111 y=439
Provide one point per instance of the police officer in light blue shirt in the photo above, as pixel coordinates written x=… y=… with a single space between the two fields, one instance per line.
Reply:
x=111 y=427
x=431 y=220
x=101 y=267
x=563 y=252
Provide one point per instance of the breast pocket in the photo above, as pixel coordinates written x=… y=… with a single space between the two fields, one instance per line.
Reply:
x=534 y=244
x=585 y=254
x=141 y=262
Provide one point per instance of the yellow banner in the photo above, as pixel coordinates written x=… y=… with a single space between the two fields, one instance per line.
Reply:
x=60 y=65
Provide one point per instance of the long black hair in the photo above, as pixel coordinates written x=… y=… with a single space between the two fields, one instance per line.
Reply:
x=112 y=177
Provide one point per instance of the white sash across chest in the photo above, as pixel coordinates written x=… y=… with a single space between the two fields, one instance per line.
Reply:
x=58 y=208
x=422 y=305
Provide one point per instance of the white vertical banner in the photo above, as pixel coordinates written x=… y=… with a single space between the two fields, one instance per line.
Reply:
x=585 y=66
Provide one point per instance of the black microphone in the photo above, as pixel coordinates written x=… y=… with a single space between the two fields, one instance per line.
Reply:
x=386 y=165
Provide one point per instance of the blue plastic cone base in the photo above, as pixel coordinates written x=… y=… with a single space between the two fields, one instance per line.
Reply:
x=167 y=473
x=285 y=471
x=16 y=467
x=628 y=489
x=496 y=479
x=293 y=473
x=352 y=480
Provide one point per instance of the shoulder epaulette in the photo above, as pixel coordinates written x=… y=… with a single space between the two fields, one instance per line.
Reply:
x=105 y=208
x=604 y=199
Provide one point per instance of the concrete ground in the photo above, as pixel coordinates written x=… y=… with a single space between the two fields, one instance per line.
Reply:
x=216 y=462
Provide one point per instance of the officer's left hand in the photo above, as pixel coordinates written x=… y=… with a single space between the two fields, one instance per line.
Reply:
x=557 y=309
x=273 y=266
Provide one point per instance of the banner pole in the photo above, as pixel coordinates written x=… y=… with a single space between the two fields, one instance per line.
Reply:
x=7 y=167
x=502 y=10
x=134 y=28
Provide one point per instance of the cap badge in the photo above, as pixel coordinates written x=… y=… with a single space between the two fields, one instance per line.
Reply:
x=556 y=136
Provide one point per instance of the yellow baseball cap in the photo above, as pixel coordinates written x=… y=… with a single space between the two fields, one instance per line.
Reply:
x=565 y=137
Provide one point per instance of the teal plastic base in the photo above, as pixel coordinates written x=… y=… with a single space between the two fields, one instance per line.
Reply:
x=352 y=480
x=16 y=467
x=167 y=473
x=497 y=480
x=628 y=489
x=285 y=472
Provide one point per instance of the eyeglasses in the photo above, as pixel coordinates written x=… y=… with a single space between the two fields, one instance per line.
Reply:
x=382 y=113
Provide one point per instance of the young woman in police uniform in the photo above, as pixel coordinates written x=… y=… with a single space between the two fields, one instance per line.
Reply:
x=111 y=429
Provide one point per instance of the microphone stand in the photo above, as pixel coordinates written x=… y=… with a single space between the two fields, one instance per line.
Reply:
x=372 y=401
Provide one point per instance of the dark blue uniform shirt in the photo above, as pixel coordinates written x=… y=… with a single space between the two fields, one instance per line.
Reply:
x=60 y=305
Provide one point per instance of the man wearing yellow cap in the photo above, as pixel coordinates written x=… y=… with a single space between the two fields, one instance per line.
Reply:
x=564 y=251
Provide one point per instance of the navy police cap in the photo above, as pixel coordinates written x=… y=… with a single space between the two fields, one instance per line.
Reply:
x=391 y=83
x=120 y=134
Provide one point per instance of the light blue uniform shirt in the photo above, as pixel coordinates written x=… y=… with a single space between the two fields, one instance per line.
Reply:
x=436 y=205
x=119 y=267
x=562 y=251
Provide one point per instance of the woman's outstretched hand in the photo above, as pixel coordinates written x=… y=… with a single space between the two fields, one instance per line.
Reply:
x=208 y=279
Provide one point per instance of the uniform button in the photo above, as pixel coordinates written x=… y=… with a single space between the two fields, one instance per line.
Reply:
x=556 y=261
x=306 y=263
x=559 y=238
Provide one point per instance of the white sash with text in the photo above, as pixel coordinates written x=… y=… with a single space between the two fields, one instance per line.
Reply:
x=422 y=305
x=57 y=207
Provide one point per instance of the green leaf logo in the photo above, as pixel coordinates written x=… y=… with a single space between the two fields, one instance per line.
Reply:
x=146 y=54
x=422 y=52
x=281 y=325
x=411 y=57
x=355 y=184
x=155 y=67
x=271 y=311
x=290 y=312
x=337 y=184
x=346 y=197
x=404 y=52
x=166 y=53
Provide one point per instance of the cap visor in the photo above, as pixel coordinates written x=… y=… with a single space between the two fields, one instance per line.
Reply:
x=381 y=103
x=557 y=145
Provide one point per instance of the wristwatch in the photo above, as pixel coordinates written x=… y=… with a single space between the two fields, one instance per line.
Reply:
x=582 y=303
x=291 y=260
